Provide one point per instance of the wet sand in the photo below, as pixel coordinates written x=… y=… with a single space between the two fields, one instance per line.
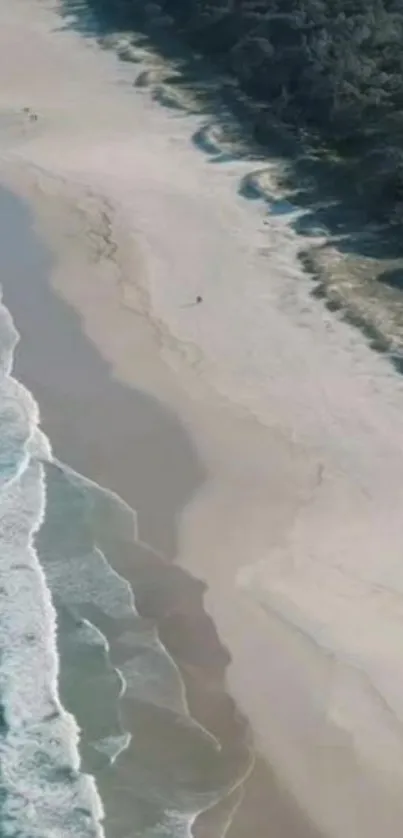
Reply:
x=127 y=440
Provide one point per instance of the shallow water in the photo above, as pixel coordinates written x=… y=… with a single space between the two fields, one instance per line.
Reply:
x=42 y=790
x=96 y=735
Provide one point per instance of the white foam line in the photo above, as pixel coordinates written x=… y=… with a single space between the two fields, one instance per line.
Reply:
x=10 y=492
x=81 y=481
x=104 y=641
x=12 y=677
x=188 y=820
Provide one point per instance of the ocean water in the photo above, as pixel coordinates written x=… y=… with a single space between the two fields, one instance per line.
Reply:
x=95 y=732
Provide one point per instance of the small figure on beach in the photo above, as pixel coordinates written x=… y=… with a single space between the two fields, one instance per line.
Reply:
x=31 y=114
x=198 y=300
x=319 y=474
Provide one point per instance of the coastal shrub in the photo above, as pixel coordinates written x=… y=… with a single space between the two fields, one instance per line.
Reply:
x=331 y=70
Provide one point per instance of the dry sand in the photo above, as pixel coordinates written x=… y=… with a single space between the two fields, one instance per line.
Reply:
x=295 y=521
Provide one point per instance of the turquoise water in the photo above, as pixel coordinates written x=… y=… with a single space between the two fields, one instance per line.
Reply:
x=96 y=737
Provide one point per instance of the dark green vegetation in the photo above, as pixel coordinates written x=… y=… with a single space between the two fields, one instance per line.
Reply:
x=319 y=85
x=333 y=68
x=329 y=71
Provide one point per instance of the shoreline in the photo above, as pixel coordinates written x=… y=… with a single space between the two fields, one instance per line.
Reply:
x=294 y=519
x=175 y=600
x=248 y=637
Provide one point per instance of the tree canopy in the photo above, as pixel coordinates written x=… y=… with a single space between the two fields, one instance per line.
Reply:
x=331 y=67
x=331 y=70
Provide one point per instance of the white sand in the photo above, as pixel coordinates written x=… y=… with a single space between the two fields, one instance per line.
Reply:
x=299 y=532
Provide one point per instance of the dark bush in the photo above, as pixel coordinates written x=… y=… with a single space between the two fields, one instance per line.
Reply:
x=332 y=67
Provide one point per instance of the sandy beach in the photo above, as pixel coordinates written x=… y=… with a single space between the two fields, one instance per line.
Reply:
x=257 y=437
x=80 y=403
